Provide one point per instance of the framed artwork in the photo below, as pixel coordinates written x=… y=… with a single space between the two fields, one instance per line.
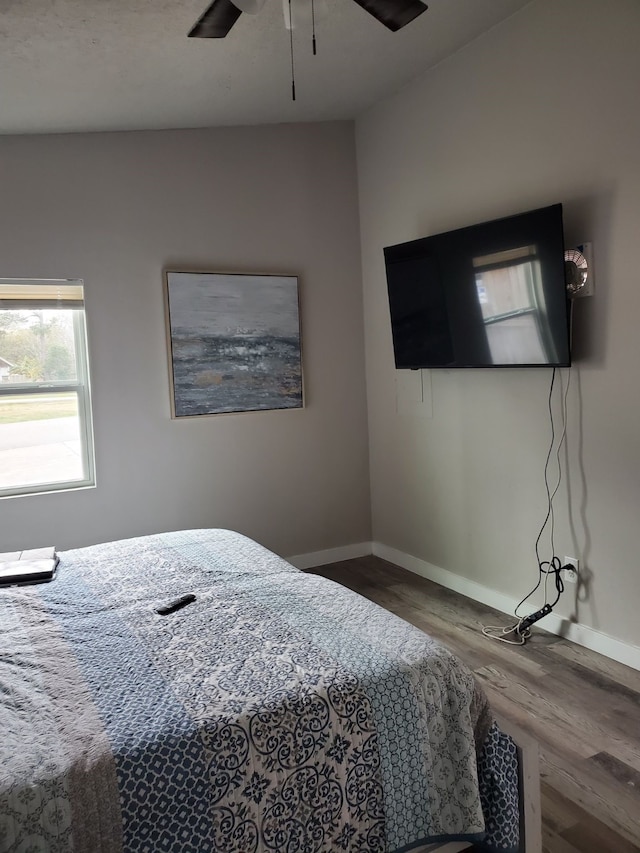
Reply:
x=234 y=342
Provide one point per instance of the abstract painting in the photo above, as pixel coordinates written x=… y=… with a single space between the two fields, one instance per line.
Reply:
x=234 y=342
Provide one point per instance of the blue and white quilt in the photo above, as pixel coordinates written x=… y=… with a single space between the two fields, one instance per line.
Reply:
x=276 y=713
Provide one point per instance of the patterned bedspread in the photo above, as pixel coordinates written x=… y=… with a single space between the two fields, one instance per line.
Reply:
x=277 y=712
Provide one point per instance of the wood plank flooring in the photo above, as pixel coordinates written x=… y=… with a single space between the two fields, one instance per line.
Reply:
x=583 y=709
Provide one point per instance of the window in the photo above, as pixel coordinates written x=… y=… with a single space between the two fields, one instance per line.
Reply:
x=511 y=297
x=46 y=437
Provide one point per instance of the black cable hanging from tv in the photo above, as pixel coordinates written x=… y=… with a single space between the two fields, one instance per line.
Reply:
x=313 y=27
x=518 y=633
x=293 y=73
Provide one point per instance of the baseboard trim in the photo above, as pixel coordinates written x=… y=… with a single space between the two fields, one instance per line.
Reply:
x=582 y=635
x=331 y=555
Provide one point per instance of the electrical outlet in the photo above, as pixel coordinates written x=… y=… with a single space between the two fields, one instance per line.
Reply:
x=571 y=575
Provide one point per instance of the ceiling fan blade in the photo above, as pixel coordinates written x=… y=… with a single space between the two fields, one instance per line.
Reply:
x=216 y=21
x=394 y=14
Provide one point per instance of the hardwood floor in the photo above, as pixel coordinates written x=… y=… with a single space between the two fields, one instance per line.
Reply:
x=583 y=709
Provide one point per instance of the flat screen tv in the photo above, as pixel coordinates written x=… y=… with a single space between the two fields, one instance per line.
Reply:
x=489 y=295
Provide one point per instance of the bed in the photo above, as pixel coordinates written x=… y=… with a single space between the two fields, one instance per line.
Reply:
x=277 y=711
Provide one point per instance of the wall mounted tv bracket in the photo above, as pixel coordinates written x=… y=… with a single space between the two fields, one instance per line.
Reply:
x=578 y=271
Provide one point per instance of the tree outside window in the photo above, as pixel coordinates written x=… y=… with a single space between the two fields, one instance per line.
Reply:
x=45 y=411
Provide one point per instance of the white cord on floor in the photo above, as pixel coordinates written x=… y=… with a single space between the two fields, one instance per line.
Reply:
x=502 y=633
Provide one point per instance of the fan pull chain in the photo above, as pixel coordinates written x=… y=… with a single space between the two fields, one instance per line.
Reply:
x=293 y=75
x=313 y=26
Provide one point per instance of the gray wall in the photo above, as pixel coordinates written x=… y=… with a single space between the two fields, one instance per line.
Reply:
x=541 y=109
x=115 y=210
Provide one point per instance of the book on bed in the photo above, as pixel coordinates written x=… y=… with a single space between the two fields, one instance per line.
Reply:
x=36 y=565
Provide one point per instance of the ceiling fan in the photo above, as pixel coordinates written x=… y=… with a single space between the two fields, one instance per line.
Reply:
x=221 y=15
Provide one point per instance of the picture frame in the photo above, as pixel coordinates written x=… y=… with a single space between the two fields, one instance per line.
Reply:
x=233 y=341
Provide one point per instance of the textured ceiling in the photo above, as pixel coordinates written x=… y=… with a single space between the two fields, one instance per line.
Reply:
x=84 y=65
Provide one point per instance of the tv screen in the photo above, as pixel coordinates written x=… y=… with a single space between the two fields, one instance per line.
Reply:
x=489 y=295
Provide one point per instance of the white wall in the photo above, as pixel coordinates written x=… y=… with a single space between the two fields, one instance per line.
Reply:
x=115 y=210
x=541 y=109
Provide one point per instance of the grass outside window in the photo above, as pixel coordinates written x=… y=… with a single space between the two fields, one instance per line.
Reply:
x=45 y=408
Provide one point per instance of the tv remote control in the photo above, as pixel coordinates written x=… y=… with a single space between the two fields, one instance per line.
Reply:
x=176 y=604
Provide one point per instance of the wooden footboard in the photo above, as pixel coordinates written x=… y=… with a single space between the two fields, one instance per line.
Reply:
x=530 y=810
x=530 y=816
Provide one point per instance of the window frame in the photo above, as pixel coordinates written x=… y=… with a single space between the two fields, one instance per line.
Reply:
x=81 y=387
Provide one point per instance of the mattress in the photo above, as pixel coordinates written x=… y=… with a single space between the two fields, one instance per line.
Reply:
x=277 y=711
